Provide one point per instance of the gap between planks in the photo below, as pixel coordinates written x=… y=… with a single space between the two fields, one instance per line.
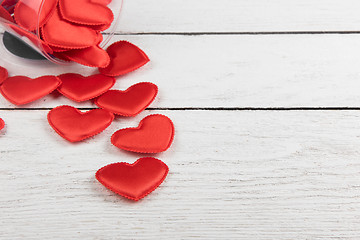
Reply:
x=213 y=109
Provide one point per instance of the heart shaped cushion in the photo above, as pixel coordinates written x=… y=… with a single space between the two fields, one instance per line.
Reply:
x=21 y=90
x=124 y=58
x=133 y=181
x=3 y=74
x=2 y=124
x=60 y=33
x=129 y=102
x=154 y=134
x=80 y=88
x=26 y=13
x=93 y=56
x=91 y=13
x=75 y=126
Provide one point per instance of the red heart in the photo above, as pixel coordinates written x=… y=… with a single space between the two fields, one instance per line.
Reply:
x=154 y=134
x=75 y=126
x=93 y=56
x=60 y=33
x=79 y=88
x=91 y=13
x=3 y=74
x=26 y=13
x=129 y=102
x=125 y=57
x=133 y=181
x=2 y=124
x=22 y=90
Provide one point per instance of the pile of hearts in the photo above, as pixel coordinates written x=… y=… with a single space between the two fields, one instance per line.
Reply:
x=66 y=29
x=154 y=134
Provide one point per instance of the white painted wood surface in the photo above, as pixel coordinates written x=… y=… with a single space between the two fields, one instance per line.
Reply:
x=256 y=175
x=233 y=175
x=233 y=71
x=239 y=15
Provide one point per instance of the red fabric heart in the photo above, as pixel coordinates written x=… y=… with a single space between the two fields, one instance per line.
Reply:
x=91 y=13
x=60 y=33
x=125 y=57
x=5 y=14
x=93 y=56
x=154 y=134
x=133 y=181
x=76 y=126
x=26 y=13
x=3 y=74
x=22 y=90
x=2 y=124
x=129 y=102
x=80 y=88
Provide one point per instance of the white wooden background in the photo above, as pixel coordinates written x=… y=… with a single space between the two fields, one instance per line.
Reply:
x=265 y=97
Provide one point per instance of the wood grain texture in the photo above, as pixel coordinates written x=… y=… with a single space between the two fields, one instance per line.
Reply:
x=232 y=71
x=238 y=16
x=233 y=175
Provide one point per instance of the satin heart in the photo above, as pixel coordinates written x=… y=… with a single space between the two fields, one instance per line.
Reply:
x=26 y=13
x=60 y=33
x=80 y=88
x=91 y=13
x=125 y=57
x=154 y=134
x=5 y=14
x=3 y=74
x=2 y=124
x=129 y=102
x=22 y=90
x=93 y=56
x=133 y=181
x=76 y=126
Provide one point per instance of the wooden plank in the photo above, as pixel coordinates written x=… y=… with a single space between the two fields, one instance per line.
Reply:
x=239 y=16
x=232 y=71
x=233 y=175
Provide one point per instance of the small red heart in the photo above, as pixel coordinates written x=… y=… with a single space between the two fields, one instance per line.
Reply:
x=125 y=57
x=26 y=13
x=129 y=102
x=76 y=126
x=2 y=124
x=91 y=13
x=60 y=33
x=80 y=88
x=93 y=56
x=3 y=74
x=22 y=90
x=154 y=134
x=133 y=181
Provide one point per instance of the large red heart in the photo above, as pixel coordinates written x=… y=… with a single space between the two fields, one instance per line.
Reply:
x=60 y=33
x=133 y=181
x=129 y=102
x=2 y=124
x=80 y=88
x=75 y=126
x=22 y=90
x=91 y=13
x=93 y=56
x=154 y=134
x=125 y=57
x=3 y=74
x=26 y=13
